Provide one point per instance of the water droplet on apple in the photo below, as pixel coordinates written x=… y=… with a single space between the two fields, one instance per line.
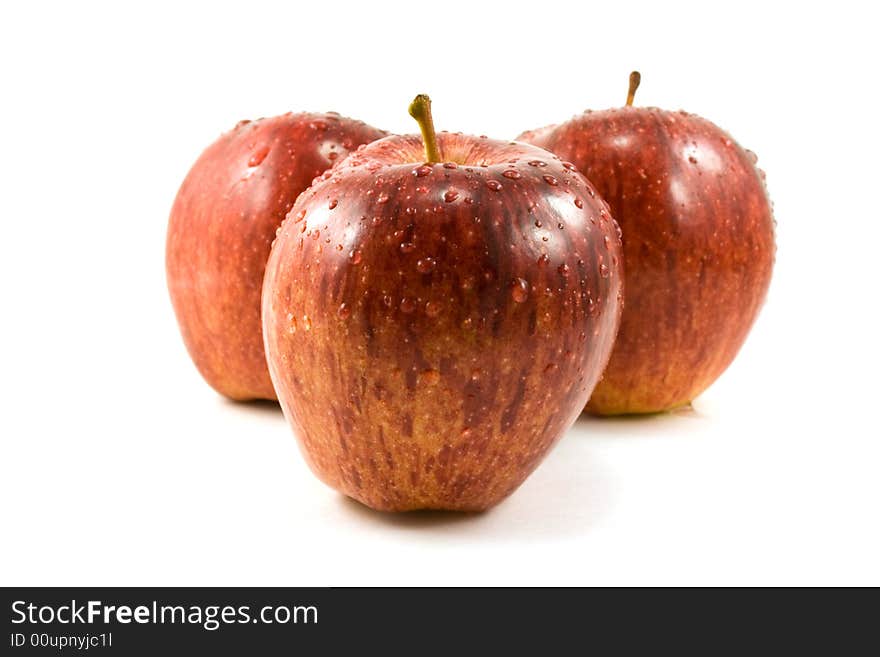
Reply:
x=355 y=257
x=407 y=305
x=551 y=180
x=563 y=269
x=520 y=290
x=258 y=156
x=306 y=323
x=344 y=311
x=544 y=260
x=494 y=185
x=604 y=272
x=426 y=265
x=753 y=157
x=432 y=308
x=450 y=196
x=382 y=198
x=407 y=247
x=450 y=165
x=578 y=202
x=569 y=166
x=537 y=163
x=410 y=211
x=513 y=174
x=333 y=203
x=692 y=159
x=422 y=171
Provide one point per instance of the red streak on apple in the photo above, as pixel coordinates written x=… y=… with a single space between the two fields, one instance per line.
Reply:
x=432 y=329
x=221 y=229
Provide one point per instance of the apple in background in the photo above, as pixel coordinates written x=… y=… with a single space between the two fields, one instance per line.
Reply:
x=221 y=229
x=434 y=324
x=698 y=241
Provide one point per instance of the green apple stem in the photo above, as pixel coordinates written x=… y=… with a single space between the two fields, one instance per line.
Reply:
x=420 y=110
x=634 y=79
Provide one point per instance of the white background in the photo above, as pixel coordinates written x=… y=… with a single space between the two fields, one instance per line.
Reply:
x=120 y=466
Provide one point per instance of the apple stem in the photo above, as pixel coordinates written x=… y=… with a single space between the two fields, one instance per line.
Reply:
x=634 y=79
x=420 y=110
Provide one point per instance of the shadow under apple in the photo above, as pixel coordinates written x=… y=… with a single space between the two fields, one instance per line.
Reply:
x=259 y=407
x=638 y=425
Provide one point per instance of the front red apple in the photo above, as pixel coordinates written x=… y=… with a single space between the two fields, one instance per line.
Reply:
x=433 y=328
x=221 y=229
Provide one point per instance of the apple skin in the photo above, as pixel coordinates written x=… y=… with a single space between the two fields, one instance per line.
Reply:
x=221 y=229
x=698 y=240
x=433 y=329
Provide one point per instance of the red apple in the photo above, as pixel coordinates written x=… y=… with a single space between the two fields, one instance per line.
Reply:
x=221 y=229
x=698 y=237
x=433 y=327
